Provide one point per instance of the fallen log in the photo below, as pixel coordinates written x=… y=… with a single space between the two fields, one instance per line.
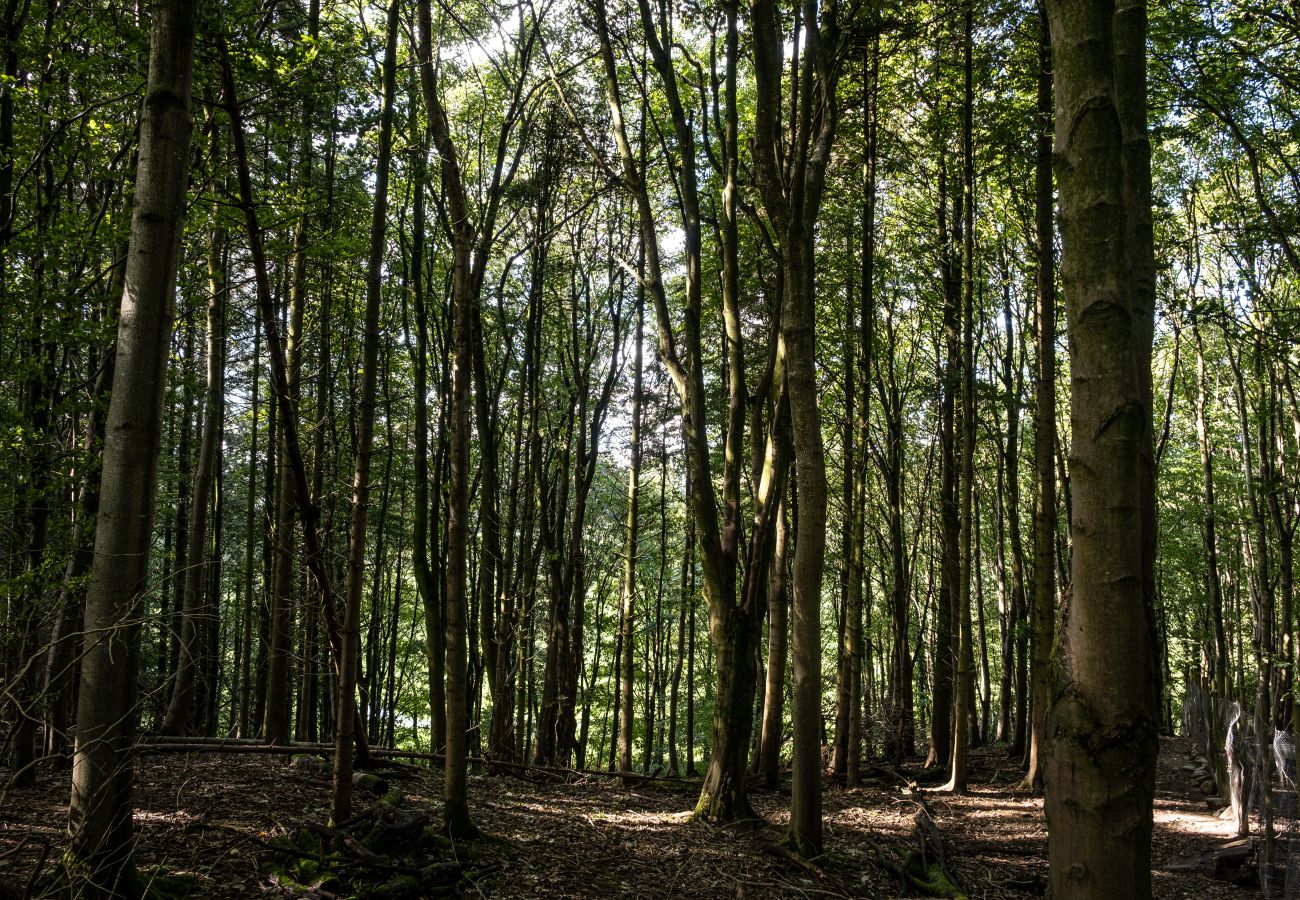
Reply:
x=928 y=868
x=172 y=744
x=782 y=852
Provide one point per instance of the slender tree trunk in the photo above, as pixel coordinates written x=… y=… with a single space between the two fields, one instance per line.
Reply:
x=195 y=626
x=965 y=675
x=848 y=675
x=793 y=207
x=341 y=805
x=859 y=581
x=1044 y=609
x=424 y=579
x=455 y=800
x=778 y=629
x=627 y=605
x=950 y=518
x=244 y=660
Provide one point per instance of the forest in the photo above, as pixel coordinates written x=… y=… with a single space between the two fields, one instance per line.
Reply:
x=693 y=448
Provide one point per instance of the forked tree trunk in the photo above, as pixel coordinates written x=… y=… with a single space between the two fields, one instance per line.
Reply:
x=793 y=205
x=455 y=799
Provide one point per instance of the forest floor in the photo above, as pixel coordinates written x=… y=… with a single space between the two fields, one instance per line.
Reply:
x=211 y=816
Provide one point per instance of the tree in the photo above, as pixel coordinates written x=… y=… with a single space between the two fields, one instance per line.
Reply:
x=341 y=808
x=1102 y=723
x=793 y=207
x=1044 y=415
x=98 y=861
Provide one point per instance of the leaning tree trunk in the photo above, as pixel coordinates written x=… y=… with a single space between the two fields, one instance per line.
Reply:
x=98 y=859
x=1102 y=725
x=346 y=722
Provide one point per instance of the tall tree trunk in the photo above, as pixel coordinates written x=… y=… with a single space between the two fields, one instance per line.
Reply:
x=195 y=626
x=1044 y=609
x=859 y=577
x=1262 y=597
x=308 y=510
x=627 y=604
x=98 y=858
x=732 y=624
x=425 y=582
x=346 y=722
x=950 y=518
x=848 y=675
x=455 y=800
x=778 y=629
x=793 y=205
x=964 y=682
x=1100 y=775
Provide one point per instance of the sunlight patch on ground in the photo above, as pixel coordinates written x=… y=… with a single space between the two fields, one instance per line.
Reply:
x=179 y=818
x=1195 y=823
x=641 y=819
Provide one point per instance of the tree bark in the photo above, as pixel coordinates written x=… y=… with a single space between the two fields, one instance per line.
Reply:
x=627 y=604
x=98 y=859
x=1102 y=722
x=1044 y=534
x=965 y=675
x=793 y=206
x=195 y=626
x=341 y=805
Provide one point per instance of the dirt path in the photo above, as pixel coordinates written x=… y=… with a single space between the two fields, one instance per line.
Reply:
x=202 y=814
